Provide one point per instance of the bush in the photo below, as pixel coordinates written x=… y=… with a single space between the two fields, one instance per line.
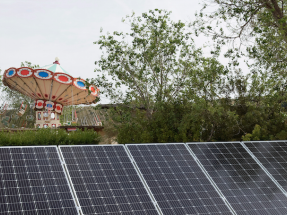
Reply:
x=48 y=137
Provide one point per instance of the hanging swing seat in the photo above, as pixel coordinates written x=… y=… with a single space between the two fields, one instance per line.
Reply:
x=21 y=111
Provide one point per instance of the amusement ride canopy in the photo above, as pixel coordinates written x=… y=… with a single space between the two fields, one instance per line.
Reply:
x=50 y=86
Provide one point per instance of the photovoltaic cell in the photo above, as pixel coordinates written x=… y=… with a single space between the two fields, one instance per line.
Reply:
x=273 y=156
x=176 y=181
x=242 y=181
x=106 y=181
x=32 y=181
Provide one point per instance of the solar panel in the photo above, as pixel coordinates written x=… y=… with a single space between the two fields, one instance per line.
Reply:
x=273 y=156
x=33 y=181
x=176 y=181
x=242 y=181
x=106 y=181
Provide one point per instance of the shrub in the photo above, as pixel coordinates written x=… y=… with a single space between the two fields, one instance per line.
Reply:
x=48 y=137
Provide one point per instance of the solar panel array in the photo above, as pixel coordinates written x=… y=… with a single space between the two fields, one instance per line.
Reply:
x=150 y=179
x=176 y=181
x=32 y=181
x=245 y=185
x=106 y=182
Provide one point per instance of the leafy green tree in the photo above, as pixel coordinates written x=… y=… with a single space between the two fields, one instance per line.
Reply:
x=152 y=63
x=259 y=25
x=162 y=74
x=198 y=98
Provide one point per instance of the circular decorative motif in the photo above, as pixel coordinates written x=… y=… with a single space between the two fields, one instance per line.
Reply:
x=94 y=90
x=63 y=78
x=39 y=104
x=49 y=106
x=58 y=108
x=80 y=84
x=25 y=72
x=43 y=74
x=10 y=73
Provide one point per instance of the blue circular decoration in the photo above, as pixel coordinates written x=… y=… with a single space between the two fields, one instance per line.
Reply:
x=11 y=72
x=43 y=74
x=49 y=105
x=80 y=84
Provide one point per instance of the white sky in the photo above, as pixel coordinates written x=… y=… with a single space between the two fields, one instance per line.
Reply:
x=39 y=31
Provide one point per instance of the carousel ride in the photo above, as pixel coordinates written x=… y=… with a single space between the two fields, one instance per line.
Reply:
x=52 y=88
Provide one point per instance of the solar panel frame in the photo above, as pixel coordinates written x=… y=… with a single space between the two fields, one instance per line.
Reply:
x=260 y=166
x=194 y=159
x=64 y=171
x=132 y=162
x=70 y=180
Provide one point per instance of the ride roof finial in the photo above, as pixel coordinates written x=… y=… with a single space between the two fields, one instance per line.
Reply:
x=57 y=61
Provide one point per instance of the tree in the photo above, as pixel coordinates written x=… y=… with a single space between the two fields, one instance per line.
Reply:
x=15 y=99
x=153 y=67
x=175 y=94
x=259 y=25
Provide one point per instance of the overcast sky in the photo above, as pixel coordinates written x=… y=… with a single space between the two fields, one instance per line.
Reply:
x=39 y=31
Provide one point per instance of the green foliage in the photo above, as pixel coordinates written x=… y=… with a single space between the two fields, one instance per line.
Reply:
x=261 y=134
x=154 y=67
x=175 y=94
x=255 y=134
x=259 y=26
x=249 y=109
x=48 y=137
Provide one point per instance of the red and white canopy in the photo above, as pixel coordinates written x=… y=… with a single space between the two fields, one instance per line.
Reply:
x=50 y=84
